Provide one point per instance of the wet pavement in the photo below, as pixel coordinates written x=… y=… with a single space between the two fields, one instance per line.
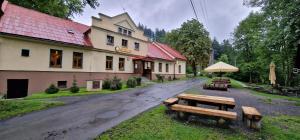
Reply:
x=85 y=117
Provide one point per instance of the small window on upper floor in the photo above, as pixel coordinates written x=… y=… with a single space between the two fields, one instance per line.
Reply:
x=125 y=31
x=124 y=43
x=136 y=46
x=25 y=52
x=129 y=33
x=110 y=40
x=120 y=30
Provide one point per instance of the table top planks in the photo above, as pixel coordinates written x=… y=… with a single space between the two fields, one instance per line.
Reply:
x=206 y=98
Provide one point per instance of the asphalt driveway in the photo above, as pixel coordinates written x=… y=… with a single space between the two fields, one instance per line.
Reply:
x=87 y=116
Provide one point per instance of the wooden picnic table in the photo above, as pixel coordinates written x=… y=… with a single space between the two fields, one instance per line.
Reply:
x=191 y=99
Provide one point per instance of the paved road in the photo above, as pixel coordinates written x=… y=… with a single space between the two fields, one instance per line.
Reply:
x=86 y=117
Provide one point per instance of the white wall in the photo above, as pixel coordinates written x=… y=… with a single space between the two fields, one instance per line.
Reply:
x=39 y=58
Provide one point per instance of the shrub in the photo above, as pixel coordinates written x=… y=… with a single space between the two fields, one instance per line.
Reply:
x=131 y=82
x=4 y=96
x=138 y=81
x=170 y=78
x=160 y=78
x=116 y=84
x=52 y=89
x=106 y=84
x=74 y=88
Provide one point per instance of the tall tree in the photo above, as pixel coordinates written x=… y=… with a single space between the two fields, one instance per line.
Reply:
x=193 y=41
x=281 y=33
x=217 y=48
x=58 y=8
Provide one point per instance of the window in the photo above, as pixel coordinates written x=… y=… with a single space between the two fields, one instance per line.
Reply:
x=179 y=69
x=136 y=46
x=110 y=40
x=62 y=84
x=120 y=30
x=167 y=67
x=125 y=31
x=109 y=62
x=55 y=58
x=160 y=67
x=121 y=64
x=124 y=42
x=152 y=66
x=77 y=60
x=25 y=52
x=129 y=33
x=96 y=84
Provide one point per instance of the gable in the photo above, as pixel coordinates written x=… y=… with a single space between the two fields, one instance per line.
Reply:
x=125 y=24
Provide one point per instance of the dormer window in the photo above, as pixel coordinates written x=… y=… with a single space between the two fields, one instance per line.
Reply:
x=120 y=30
x=124 y=31
x=70 y=31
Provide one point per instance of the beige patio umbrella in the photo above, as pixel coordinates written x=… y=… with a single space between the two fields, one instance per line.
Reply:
x=272 y=75
x=221 y=67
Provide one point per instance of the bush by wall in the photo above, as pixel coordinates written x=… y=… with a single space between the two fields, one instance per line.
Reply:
x=106 y=84
x=131 y=82
x=116 y=84
x=160 y=78
x=74 y=88
x=138 y=81
x=52 y=89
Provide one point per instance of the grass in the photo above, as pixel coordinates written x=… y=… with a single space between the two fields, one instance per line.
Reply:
x=10 y=108
x=82 y=91
x=273 y=96
x=156 y=125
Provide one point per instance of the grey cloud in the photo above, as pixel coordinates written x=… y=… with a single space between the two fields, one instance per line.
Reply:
x=222 y=15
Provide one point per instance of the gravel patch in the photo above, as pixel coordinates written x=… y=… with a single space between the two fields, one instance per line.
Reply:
x=243 y=97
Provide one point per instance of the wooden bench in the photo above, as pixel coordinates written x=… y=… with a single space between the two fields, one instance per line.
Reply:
x=170 y=102
x=204 y=111
x=191 y=99
x=252 y=117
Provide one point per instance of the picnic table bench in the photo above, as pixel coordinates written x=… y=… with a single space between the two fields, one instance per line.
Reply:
x=205 y=111
x=170 y=102
x=222 y=102
x=252 y=117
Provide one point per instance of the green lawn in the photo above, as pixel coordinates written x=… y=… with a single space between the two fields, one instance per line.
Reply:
x=10 y=108
x=156 y=125
x=82 y=92
x=273 y=96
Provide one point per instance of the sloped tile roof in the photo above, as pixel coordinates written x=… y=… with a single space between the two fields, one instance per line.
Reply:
x=171 y=51
x=155 y=52
x=26 y=22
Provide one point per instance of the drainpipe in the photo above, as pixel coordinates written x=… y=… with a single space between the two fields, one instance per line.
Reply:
x=174 y=71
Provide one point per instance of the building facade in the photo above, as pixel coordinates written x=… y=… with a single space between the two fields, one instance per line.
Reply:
x=37 y=50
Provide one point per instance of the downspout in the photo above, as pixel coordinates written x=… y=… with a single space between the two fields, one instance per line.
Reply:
x=174 y=70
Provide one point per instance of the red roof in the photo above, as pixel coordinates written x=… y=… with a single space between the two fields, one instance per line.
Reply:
x=26 y=22
x=155 y=52
x=171 y=51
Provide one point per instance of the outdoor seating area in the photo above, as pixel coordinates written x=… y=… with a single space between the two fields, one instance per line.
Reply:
x=185 y=105
x=218 y=84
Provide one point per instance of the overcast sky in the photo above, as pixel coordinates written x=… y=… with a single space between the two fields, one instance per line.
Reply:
x=220 y=16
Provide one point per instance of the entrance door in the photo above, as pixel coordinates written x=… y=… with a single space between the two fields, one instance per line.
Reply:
x=147 y=71
x=17 y=88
